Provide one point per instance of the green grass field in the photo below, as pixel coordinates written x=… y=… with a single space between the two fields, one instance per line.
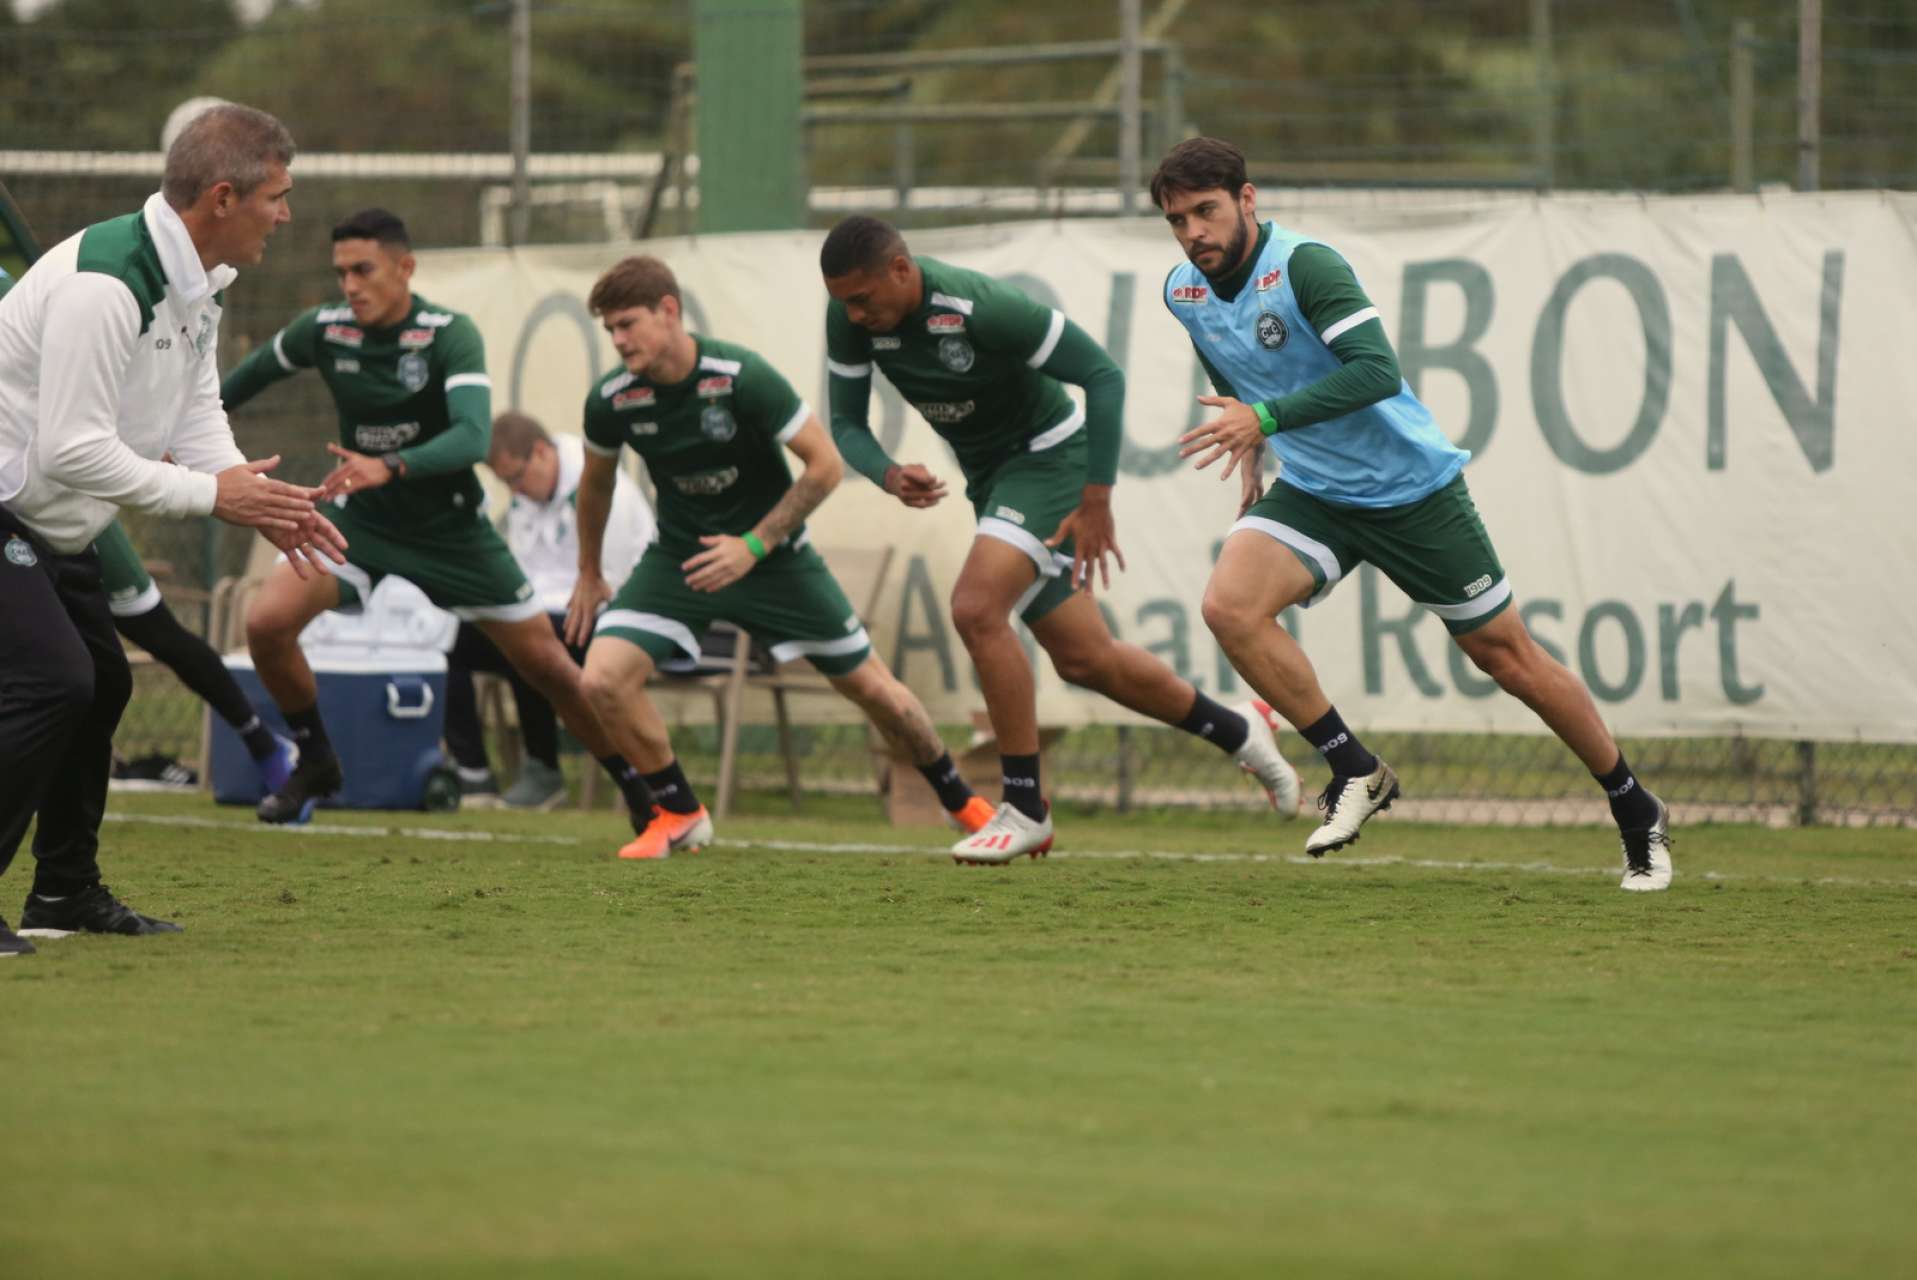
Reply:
x=1455 y=1051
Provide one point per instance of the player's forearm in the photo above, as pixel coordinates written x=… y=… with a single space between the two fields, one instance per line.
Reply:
x=260 y=370
x=814 y=485
x=851 y=399
x=462 y=445
x=1082 y=362
x=1369 y=374
x=591 y=509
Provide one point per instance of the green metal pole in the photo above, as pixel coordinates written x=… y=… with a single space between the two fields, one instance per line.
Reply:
x=751 y=148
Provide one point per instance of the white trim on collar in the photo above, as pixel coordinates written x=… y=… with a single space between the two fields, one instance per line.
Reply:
x=178 y=257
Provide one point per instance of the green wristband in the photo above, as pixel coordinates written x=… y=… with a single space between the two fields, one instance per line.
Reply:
x=756 y=547
x=1266 y=423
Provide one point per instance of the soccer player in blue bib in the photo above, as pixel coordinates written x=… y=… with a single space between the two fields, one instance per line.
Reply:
x=1302 y=366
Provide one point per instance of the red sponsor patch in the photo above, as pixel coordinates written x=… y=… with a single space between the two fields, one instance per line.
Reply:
x=344 y=334
x=1190 y=294
x=944 y=323
x=636 y=398
x=1270 y=279
x=416 y=338
x=721 y=386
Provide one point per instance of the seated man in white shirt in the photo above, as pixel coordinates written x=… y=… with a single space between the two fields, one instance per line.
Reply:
x=542 y=470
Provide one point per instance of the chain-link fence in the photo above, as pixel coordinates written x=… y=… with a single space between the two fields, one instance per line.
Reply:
x=947 y=111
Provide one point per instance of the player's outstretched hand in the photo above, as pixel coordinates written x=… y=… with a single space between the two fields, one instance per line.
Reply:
x=305 y=546
x=914 y=485
x=355 y=473
x=244 y=496
x=590 y=592
x=724 y=561
x=1234 y=434
x=1095 y=536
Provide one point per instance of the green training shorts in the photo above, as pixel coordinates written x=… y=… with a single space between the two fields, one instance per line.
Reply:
x=1436 y=549
x=1023 y=503
x=790 y=603
x=459 y=561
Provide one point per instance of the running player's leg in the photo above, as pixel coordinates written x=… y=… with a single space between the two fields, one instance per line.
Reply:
x=1085 y=653
x=898 y=714
x=280 y=610
x=617 y=669
x=1258 y=576
x=996 y=575
x=472 y=653
x=531 y=648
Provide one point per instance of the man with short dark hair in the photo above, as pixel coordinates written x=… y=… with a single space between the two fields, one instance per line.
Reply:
x=107 y=364
x=542 y=530
x=713 y=422
x=415 y=413
x=1301 y=364
x=983 y=364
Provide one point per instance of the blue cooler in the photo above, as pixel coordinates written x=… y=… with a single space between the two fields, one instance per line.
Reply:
x=382 y=692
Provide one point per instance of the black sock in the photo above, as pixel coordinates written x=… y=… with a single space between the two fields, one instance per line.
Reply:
x=631 y=785
x=310 y=732
x=1339 y=746
x=1021 y=785
x=1218 y=725
x=257 y=737
x=1631 y=804
x=199 y=668
x=671 y=791
x=943 y=774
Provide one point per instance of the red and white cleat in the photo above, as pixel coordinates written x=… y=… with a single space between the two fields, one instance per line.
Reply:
x=1260 y=758
x=1008 y=836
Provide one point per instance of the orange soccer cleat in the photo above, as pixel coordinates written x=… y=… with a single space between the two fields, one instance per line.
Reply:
x=669 y=833
x=978 y=811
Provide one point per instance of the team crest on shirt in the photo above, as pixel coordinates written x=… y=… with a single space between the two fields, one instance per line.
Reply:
x=1270 y=330
x=956 y=354
x=412 y=371
x=716 y=424
x=20 y=552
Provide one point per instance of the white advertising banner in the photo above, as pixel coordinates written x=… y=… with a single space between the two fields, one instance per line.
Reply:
x=1693 y=425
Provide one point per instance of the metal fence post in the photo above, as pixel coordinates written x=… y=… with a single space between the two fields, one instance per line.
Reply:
x=1126 y=768
x=1544 y=120
x=1806 y=784
x=1129 y=91
x=521 y=221
x=1810 y=91
x=1743 y=105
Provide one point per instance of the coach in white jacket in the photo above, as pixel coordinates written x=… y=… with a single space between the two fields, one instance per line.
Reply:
x=542 y=470
x=107 y=364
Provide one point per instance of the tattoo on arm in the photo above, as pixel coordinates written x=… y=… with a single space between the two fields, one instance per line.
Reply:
x=800 y=501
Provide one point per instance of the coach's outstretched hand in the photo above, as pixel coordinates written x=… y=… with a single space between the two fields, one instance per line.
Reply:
x=244 y=496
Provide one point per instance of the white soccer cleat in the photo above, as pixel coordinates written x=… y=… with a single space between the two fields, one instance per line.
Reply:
x=1349 y=803
x=1008 y=836
x=1647 y=854
x=1260 y=758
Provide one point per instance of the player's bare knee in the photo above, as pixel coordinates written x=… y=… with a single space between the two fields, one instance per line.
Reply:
x=977 y=616
x=1231 y=616
x=1508 y=660
x=1084 y=665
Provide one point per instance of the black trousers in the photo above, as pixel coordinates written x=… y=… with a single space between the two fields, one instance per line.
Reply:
x=64 y=681
x=538 y=726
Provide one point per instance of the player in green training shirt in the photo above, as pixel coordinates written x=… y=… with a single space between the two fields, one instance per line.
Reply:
x=415 y=411
x=983 y=364
x=713 y=422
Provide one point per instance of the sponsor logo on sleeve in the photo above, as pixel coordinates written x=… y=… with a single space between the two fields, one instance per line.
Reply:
x=1477 y=587
x=886 y=342
x=635 y=398
x=945 y=323
x=645 y=428
x=345 y=335
x=1006 y=513
x=720 y=386
x=1270 y=330
x=1190 y=295
x=344 y=365
x=1269 y=281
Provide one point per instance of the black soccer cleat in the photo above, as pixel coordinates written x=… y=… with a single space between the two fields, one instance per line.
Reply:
x=93 y=910
x=12 y=944
x=314 y=779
